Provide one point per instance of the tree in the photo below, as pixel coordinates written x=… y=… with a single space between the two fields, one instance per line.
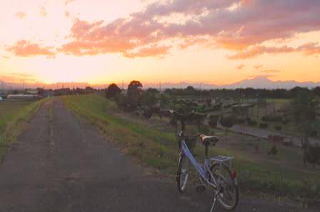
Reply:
x=134 y=85
x=112 y=91
x=316 y=90
x=89 y=89
x=190 y=90
x=149 y=98
x=304 y=108
x=134 y=94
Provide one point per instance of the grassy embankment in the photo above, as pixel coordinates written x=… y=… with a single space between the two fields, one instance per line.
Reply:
x=281 y=175
x=12 y=116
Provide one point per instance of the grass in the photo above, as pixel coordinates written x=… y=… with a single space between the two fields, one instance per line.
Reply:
x=12 y=116
x=281 y=175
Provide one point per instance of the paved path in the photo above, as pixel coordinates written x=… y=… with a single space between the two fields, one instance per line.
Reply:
x=61 y=164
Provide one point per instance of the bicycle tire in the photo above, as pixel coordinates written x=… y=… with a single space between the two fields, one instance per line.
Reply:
x=182 y=172
x=231 y=184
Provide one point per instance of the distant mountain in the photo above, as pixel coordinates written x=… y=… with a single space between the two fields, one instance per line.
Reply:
x=264 y=82
x=257 y=82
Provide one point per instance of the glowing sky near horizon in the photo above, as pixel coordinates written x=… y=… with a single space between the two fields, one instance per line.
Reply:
x=210 y=41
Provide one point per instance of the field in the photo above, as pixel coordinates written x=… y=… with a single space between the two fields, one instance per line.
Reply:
x=12 y=115
x=154 y=144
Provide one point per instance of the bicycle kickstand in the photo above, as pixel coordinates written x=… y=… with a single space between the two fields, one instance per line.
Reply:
x=214 y=201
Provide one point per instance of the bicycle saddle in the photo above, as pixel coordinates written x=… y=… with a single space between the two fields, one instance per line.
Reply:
x=207 y=139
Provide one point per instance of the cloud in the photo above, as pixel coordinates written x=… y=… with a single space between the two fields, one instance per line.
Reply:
x=21 y=15
x=241 y=66
x=17 y=77
x=238 y=25
x=230 y=24
x=270 y=71
x=308 y=49
x=24 y=48
x=68 y=2
x=94 y=38
x=43 y=12
x=148 y=52
x=258 y=66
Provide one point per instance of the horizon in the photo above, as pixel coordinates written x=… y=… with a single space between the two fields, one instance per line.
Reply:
x=216 y=43
x=260 y=82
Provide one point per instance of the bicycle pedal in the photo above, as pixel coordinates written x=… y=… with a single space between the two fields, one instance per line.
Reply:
x=200 y=188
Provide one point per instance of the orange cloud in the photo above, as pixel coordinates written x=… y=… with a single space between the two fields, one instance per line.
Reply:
x=258 y=66
x=68 y=2
x=308 y=49
x=241 y=66
x=148 y=52
x=242 y=29
x=21 y=15
x=17 y=77
x=43 y=12
x=24 y=48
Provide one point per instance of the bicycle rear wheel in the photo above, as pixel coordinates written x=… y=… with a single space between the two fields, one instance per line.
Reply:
x=227 y=186
x=182 y=173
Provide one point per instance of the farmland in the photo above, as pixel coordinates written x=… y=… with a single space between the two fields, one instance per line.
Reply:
x=153 y=143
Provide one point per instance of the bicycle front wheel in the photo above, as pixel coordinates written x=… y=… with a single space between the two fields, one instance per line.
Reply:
x=228 y=189
x=182 y=173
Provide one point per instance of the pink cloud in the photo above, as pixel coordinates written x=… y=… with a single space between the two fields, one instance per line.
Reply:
x=238 y=25
x=24 y=48
x=308 y=49
x=251 y=23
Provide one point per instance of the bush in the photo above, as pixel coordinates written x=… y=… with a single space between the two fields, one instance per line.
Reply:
x=252 y=122
x=272 y=118
x=241 y=121
x=213 y=120
x=263 y=125
x=313 y=133
x=285 y=121
x=147 y=113
x=278 y=127
x=228 y=121
x=273 y=150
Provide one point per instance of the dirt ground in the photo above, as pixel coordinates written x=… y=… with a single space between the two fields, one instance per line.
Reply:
x=63 y=164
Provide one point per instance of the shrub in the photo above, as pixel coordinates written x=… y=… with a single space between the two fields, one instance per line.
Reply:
x=273 y=150
x=228 y=121
x=213 y=119
x=252 y=122
x=278 y=127
x=241 y=121
x=272 y=118
x=263 y=125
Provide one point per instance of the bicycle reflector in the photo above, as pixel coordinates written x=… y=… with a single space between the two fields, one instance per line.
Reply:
x=234 y=174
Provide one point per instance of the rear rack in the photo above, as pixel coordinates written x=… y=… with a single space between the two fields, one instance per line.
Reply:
x=221 y=159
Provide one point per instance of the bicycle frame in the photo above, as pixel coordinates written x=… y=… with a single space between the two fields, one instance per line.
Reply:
x=202 y=169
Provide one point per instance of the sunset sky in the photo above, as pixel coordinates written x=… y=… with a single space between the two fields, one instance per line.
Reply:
x=209 y=41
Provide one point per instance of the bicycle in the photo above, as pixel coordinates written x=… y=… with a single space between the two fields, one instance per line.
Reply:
x=215 y=172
